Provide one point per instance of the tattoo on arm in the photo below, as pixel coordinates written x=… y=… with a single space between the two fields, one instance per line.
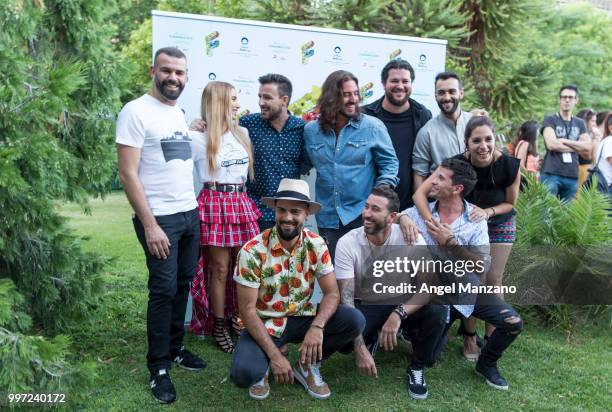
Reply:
x=347 y=291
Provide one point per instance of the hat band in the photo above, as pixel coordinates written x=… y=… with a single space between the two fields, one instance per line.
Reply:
x=292 y=194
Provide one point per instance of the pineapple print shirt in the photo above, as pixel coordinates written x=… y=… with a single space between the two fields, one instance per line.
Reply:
x=285 y=279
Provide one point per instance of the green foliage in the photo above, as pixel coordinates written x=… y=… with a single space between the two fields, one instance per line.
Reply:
x=557 y=241
x=60 y=89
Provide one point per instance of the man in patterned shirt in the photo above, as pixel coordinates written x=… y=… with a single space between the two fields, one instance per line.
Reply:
x=278 y=140
x=275 y=278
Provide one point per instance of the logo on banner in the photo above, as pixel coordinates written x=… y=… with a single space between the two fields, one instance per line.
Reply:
x=423 y=60
x=395 y=54
x=212 y=42
x=307 y=51
x=212 y=76
x=244 y=45
x=366 y=91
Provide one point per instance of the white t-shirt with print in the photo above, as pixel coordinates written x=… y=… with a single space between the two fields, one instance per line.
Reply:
x=350 y=256
x=166 y=166
x=232 y=159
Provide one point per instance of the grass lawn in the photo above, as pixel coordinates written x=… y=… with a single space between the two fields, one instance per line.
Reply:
x=544 y=371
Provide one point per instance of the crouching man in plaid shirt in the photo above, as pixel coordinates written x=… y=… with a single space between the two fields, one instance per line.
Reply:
x=275 y=279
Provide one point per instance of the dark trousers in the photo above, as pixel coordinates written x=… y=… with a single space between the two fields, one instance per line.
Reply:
x=169 y=285
x=496 y=312
x=250 y=363
x=332 y=236
x=425 y=328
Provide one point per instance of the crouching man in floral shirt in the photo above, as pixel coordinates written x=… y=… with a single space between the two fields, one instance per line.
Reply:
x=275 y=279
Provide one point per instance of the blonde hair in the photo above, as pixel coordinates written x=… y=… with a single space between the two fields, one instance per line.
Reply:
x=216 y=110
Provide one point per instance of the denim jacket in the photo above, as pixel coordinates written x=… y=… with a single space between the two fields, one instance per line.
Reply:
x=362 y=158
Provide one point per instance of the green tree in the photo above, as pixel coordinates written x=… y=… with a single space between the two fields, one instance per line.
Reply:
x=59 y=91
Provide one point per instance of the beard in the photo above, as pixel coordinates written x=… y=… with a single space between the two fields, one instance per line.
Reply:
x=162 y=86
x=272 y=114
x=354 y=115
x=453 y=109
x=396 y=102
x=288 y=234
x=376 y=228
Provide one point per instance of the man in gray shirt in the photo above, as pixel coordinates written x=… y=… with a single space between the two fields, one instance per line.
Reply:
x=441 y=137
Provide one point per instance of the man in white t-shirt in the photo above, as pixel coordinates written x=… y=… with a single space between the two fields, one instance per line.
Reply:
x=156 y=169
x=361 y=285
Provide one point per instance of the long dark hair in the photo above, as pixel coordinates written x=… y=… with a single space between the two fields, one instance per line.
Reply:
x=330 y=102
x=529 y=133
x=473 y=123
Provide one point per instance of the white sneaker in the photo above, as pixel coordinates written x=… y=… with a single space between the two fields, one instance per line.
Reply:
x=261 y=389
x=312 y=380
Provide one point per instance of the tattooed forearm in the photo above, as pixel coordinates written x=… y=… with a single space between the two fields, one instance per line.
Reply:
x=358 y=341
x=347 y=291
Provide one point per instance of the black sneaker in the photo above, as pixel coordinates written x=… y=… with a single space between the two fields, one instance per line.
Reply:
x=417 y=388
x=162 y=387
x=492 y=376
x=188 y=360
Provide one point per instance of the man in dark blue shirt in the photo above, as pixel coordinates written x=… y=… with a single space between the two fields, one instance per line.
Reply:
x=278 y=141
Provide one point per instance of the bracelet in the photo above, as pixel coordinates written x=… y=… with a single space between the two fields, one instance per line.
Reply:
x=493 y=209
x=317 y=326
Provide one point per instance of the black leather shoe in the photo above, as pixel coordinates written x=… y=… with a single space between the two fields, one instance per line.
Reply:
x=162 y=387
x=188 y=360
x=492 y=376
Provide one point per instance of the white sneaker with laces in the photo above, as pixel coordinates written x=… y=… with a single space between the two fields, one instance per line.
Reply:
x=312 y=380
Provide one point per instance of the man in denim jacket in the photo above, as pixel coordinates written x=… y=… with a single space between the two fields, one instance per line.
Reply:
x=352 y=152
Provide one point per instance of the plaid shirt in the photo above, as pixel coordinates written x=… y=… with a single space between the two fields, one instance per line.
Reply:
x=285 y=279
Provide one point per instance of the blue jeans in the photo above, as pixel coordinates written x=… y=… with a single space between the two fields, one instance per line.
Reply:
x=563 y=187
x=250 y=362
x=169 y=285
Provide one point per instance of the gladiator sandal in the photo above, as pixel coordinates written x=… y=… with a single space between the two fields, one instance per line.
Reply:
x=222 y=336
x=237 y=326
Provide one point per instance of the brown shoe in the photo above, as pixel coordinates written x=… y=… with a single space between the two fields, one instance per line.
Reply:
x=312 y=380
x=260 y=390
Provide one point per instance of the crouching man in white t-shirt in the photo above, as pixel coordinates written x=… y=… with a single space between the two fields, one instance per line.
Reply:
x=360 y=258
x=156 y=169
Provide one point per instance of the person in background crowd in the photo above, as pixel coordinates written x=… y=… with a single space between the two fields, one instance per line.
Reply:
x=223 y=158
x=603 y=158
x=494 y=198
x=525 y=148
x=590 y=119
x=352 y=153
x=442 y=136
x=600 y=118
x=403 y=117
x=566 y=138
x=156 y=169
x=275 y=276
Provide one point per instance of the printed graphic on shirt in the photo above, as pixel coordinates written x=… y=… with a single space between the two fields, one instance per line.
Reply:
x=176 y=146
x=574 y=132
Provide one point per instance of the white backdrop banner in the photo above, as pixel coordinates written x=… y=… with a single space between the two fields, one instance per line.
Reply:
x=239 y=51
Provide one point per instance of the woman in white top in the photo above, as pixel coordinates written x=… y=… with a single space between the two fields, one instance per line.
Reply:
x=603 y=157
x=223 y=158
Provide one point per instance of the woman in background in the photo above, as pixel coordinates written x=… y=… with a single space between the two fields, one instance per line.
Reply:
x=525 y=148
x=223 y=159
x=589 y=117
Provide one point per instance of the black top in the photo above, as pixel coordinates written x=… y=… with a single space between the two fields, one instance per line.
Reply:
x=402 y=128
x=493 y=180
x=553 y=161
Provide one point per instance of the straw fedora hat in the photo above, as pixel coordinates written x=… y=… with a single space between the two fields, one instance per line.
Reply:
x=293 y=189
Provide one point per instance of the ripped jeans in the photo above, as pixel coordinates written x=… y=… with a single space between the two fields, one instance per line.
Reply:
x=508 y=325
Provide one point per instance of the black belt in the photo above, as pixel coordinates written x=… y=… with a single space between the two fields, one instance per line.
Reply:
x=225 y=187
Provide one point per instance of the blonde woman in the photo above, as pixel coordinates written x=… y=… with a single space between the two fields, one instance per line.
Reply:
x=223 y=158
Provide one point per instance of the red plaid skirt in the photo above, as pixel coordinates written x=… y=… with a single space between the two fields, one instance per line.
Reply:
x=227 y=219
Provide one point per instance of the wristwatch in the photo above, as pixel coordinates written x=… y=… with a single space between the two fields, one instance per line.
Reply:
x=401 y=312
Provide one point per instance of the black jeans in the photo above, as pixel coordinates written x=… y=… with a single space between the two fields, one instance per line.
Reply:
x=169 y=285
x=508 y=325
x=332 y=236
x=250 y=362
x=425 y=328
